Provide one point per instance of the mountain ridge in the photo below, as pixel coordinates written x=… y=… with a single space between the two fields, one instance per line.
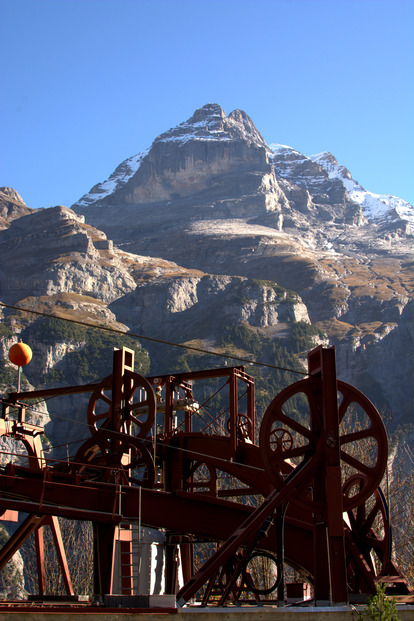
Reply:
x=210 y=124
x=210 y=229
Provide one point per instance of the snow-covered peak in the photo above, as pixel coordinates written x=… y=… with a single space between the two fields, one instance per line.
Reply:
x=283 y=152
x=301 y=169
x=119 y=177
x=330 y=164
x=278 y=149
x=294 y=166
x=376 y=207
x=210 y=123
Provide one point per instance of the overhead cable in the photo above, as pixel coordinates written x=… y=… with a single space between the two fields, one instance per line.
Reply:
x=155 y=340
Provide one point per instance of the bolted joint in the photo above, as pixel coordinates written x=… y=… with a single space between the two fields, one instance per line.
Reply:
x=330 y=442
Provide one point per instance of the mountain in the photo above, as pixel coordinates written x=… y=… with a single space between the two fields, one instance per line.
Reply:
x=213 y=238
x=380 y=209
x=11 y=207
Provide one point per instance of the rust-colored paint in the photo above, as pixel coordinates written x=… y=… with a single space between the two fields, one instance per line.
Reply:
x=148 y=459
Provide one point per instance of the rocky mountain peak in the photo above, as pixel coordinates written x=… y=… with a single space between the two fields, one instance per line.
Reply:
x=190 y=158
x=12 y=206
x=216 y=173
x=327 y=161
x=393 y=214
x=242 y=120
x=12 y=195
x=210 y=123
x=209 y=113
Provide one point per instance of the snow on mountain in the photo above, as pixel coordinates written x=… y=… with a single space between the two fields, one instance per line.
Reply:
x=198 y=131
x=118 y=178
x=377 y=207
x=320 y=174
x=291 y=156
x=296 y=168
x=208 y=126
x=210 y=123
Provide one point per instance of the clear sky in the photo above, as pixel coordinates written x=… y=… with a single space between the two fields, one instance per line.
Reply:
x=87 y=83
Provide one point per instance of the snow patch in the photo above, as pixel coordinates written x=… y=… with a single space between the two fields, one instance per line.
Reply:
x=375 y=207
x=213 y=126
x=283 y=148
x=287 y=163
x=199 y=130
x=119 y=177
x=211 y=135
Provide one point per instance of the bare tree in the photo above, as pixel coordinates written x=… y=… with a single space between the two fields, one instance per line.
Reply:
x=400 y=493
x=78 y=542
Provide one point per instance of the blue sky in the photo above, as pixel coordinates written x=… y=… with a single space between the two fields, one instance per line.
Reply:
x=87 y=83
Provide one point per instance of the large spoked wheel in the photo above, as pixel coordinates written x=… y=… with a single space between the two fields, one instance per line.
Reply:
x=114 y=457
x=292 y=432
x=244 y=427
x=100 y=405
x=140 y=405
x=91 y=458
x=137 y=463
x=370 y=527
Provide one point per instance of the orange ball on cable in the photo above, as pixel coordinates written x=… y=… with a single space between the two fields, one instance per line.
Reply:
x=20 y=354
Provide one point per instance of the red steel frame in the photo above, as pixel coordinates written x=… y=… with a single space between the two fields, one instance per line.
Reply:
x=179 y=491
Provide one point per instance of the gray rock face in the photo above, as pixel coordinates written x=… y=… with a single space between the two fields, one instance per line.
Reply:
x=187 y=306
x=53 y=251
x=329 y=200
x=11 y=207
x=210 y=165
x=214 y=168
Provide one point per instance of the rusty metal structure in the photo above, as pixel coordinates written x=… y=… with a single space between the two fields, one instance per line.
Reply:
x=302 y=491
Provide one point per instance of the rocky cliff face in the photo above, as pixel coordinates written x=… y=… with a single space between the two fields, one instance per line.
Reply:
x=11 y=207
x=203 y=306
x=53 y=252
x=210 y=230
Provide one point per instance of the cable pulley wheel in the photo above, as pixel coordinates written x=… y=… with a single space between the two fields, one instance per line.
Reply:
x=139 y=405
x=100 y=406
x=244 y=426
x=292 y=433
x=114 y=457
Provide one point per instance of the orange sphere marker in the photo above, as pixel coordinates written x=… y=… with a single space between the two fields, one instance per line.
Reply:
x=20 y=354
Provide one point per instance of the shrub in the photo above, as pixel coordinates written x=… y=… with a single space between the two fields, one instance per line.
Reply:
x=380 y=607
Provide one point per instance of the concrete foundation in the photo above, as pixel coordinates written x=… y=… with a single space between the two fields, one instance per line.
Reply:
x=344 y=613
